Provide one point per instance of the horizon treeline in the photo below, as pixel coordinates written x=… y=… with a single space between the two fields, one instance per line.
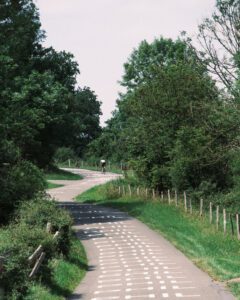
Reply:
x=177 y=124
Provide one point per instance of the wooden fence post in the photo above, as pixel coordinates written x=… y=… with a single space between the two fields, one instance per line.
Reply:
x=130 y=190
x=56 y=234
x=210 y=212
x=190 y=205
x=232 y=227
x=138 y=191
x=224 y=221
x=169 y=197
x=153 y=194
x=119 y=190
x=185 y=201
x=146 y=192
x=217 y=217
x=162 y=196
x=69 y=163
x=124 y=193
x=37 y=265
x=201 y=207
x=237 y=224
x=35 y=254
x=176 y=198
x=49 y=227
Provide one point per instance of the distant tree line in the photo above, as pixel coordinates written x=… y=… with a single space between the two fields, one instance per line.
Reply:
x=41 y=108
x=177 y=124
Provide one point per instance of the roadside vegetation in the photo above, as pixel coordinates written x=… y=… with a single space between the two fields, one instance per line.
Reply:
x=41 y=108
x=51 y=185
x=177 y=124
x=174 y=125
x=66 y=274
x=208 y=248
x=59 y=174
x=64 y=264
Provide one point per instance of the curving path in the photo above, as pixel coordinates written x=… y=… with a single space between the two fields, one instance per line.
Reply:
x=127 y=260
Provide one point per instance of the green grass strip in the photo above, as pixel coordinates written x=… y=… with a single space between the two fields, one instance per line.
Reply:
x=209 y=249
x=58 y=174
x=51 y=185
x=66 y=275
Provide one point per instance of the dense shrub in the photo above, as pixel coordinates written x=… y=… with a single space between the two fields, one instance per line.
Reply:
x=17 y=243
x=19 y=240
x=63 y=154
x=21 y=182
x=41 y=211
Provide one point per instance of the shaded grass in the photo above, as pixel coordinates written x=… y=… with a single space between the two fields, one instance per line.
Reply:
x=66 y=275
x=208 y=248
x=51 y=185
x=58 y=174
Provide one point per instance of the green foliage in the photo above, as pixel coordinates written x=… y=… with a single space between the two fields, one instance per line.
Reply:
x=66 y=273
x=18 y=183
x=40 y=211
x=41 y=109
x=21 y=238
x=173 y=125
x=19 y=241
x=63 y=154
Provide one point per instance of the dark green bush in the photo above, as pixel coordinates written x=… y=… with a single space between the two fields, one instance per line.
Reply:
x=63 y=154
x=25 y=180
x=19 y=183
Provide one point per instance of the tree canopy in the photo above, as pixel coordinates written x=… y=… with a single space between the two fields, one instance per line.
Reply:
x=42 y=108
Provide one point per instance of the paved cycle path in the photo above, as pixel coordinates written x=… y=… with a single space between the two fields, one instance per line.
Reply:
x=127 y=260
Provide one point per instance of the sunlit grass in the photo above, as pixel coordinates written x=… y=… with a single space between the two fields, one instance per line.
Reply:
x=51 y=185
x=66 y=275
x=58 y=174
x=208 y=248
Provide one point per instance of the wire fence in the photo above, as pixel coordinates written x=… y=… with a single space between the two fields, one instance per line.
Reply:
x=220 y=217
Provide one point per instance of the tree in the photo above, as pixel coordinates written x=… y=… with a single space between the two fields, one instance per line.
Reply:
x=220 y=39
x=143 y=61
x=60 y=64
x=81 y=123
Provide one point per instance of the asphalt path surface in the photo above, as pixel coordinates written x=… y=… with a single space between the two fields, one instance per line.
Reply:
x=127 y=260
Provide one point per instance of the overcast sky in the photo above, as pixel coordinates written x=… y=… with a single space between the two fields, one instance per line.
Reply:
x=102 y=33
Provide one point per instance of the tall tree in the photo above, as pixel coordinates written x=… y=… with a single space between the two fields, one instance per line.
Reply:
x=220 y=39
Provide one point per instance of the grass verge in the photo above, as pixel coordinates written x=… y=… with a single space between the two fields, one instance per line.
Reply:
x=58 y=174
x=66 y=275
x=209 y=249
x=51 y=185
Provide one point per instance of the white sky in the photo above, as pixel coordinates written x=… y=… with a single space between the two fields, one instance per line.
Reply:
x=102 y=33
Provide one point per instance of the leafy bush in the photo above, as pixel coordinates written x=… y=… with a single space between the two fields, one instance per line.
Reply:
x=17 y=243
x=110 y=191
x=40 y=211
x=20 y=239
x=63 y=154
x=20 y=183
